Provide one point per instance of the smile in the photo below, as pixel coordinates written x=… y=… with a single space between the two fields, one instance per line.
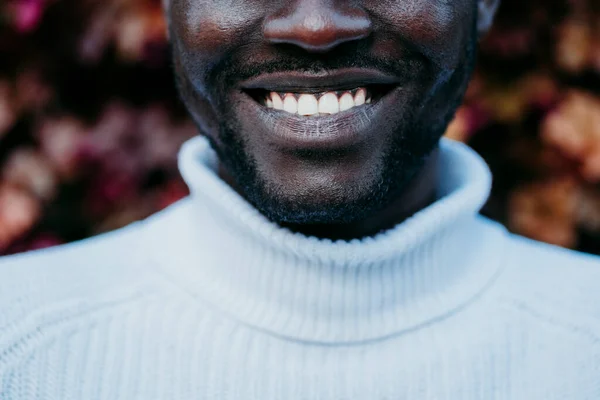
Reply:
x=319 y=95
x=311 y=105
x=334 y=109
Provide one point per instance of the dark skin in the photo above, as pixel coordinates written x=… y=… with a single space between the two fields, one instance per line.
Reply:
x=342 y=176
x=418 y=195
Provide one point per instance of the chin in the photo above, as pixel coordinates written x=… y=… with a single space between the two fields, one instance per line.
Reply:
x=316 y=207
x=323 y=186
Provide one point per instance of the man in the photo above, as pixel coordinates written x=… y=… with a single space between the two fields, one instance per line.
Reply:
x=330 y=248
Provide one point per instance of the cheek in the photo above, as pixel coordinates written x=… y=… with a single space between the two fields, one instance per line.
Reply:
x=439 y=27
x=209 y=28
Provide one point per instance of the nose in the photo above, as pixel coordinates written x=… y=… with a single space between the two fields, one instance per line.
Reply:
x=317 y=25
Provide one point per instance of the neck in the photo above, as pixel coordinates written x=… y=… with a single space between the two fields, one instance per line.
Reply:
x=419 y=194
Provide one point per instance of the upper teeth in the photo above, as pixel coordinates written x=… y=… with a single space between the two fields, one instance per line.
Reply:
x=308 y=104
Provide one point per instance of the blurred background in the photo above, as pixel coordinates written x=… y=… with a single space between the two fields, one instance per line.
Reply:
x=90 y=123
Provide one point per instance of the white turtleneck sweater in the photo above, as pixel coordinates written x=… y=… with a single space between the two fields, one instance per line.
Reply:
x=209 y=300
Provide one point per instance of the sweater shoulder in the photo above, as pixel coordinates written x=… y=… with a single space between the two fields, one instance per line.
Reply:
x=54 y=292
x=66 y=268
x=85 y=268
x=38 y=286
x=552 y=283
x=552 y=261
x=43 y=291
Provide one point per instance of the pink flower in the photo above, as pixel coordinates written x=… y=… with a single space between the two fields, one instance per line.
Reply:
x=44 y=241
x=110 y=190
x=574 y=46
x=8 y=113
x=30 y=170
x=175 y=190
x=28 y=14
x=574 y=128
x=546 y=211
x=19 y=211
x=62 y=143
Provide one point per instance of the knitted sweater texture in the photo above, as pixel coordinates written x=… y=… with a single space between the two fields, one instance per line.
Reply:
x=209 y=300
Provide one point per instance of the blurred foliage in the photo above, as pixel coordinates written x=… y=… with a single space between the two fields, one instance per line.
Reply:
x=533 y=112
x=90 y=123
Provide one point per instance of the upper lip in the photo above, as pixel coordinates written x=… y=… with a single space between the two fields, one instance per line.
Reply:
x=339 y=79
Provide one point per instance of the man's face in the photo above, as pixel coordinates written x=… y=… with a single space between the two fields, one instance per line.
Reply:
x=321 y=111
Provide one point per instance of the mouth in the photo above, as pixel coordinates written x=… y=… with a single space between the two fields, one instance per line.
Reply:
x=330 y=110
x=319 y=95
x=321 y=104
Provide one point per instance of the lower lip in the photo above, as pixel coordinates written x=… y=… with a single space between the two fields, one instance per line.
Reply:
x=337 y=131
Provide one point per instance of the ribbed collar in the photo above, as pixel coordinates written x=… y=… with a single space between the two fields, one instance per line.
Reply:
x=228 y=254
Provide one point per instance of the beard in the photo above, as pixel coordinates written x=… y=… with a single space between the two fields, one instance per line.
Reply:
x=415 y=137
